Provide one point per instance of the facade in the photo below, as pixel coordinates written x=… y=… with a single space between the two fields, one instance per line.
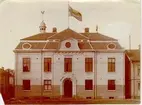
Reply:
x=69 y=64
x=7 y=83
x=134 y=68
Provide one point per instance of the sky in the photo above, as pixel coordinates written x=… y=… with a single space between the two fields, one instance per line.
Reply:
x=21 y=18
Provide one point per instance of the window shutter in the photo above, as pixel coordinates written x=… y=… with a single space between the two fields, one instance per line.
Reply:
x=91 y=64
x=86 y=64
x=49 y=64
x=70 y=64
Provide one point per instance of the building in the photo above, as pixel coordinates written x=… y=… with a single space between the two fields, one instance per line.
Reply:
x=69 y=64
x=134 y=72
x=7 y=83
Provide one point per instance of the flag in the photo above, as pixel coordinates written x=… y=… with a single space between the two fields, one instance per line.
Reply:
x=75 y=13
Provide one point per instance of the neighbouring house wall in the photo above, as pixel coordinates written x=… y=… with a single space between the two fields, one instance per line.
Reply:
x=135 y=79
x=127 y=78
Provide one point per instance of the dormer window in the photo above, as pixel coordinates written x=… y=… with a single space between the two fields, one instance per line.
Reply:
x=68 y=44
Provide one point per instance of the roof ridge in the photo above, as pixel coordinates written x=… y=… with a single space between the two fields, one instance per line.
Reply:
x=66 y=30
x=55 y=34
x=79 y=33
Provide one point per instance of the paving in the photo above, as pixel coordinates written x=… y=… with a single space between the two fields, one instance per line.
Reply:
x=74 y=101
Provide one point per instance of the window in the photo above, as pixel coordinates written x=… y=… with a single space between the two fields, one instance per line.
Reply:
x=138 y=86
x=47 y=64
x=111 y=64
x=88 y=84
x=111 y=84
x=138 y=70
x=26 y=85
x=68 y=64
x=26 y=64
x=88 y=64
x=111 y=97
x=47 y=84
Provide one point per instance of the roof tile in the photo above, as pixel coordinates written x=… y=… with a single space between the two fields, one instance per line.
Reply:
x=40 y=36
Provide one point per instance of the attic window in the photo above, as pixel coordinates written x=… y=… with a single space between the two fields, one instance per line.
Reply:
x=80 y=45
x=111 y=46
x=68 y=44
x=26 y=46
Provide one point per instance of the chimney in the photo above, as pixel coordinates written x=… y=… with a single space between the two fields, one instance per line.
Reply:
x=54 y=29
x=97 y=28
x=2 y=68
x=139 y=46
x=86 y=30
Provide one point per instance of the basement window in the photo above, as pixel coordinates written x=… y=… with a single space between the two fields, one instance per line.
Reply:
x=111 y=97
x=88 y=97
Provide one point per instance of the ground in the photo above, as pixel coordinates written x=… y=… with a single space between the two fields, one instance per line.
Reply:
x=73 y=101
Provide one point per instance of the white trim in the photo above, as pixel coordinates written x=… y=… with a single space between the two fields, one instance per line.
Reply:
x=26 y=48
x=33 y=40
x=111 y=48
x=93 y=50
x=102 y=41
x=74 y=83
x=43 y=41
x=45 y=45
x=91 y=46
x=57 y=40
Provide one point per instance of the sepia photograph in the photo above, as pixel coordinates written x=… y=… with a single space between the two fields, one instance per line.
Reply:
x=70 y=52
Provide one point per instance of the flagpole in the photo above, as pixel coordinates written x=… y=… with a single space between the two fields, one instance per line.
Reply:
x=129 y=42
x=68 y=13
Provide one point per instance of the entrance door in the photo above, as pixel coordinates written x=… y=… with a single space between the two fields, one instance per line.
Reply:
x=68 y=88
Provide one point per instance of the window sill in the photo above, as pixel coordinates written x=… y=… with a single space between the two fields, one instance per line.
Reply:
x=26 y=71
x=26 y=90
x=47 y=90
x=111 y=90
x=88 y=71
x=89 y=90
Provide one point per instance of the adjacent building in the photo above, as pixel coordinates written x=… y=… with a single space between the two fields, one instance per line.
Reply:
x=133 y=65
x=7 y=83
x=70 y=64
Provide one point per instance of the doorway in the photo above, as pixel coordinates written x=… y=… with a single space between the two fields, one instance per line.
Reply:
x=67 y=88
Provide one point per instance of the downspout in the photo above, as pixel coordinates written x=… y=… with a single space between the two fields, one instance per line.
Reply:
x=16 y=75
x=96 y=72
x=52 y=79
x=41 y=78
x=134 y=77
